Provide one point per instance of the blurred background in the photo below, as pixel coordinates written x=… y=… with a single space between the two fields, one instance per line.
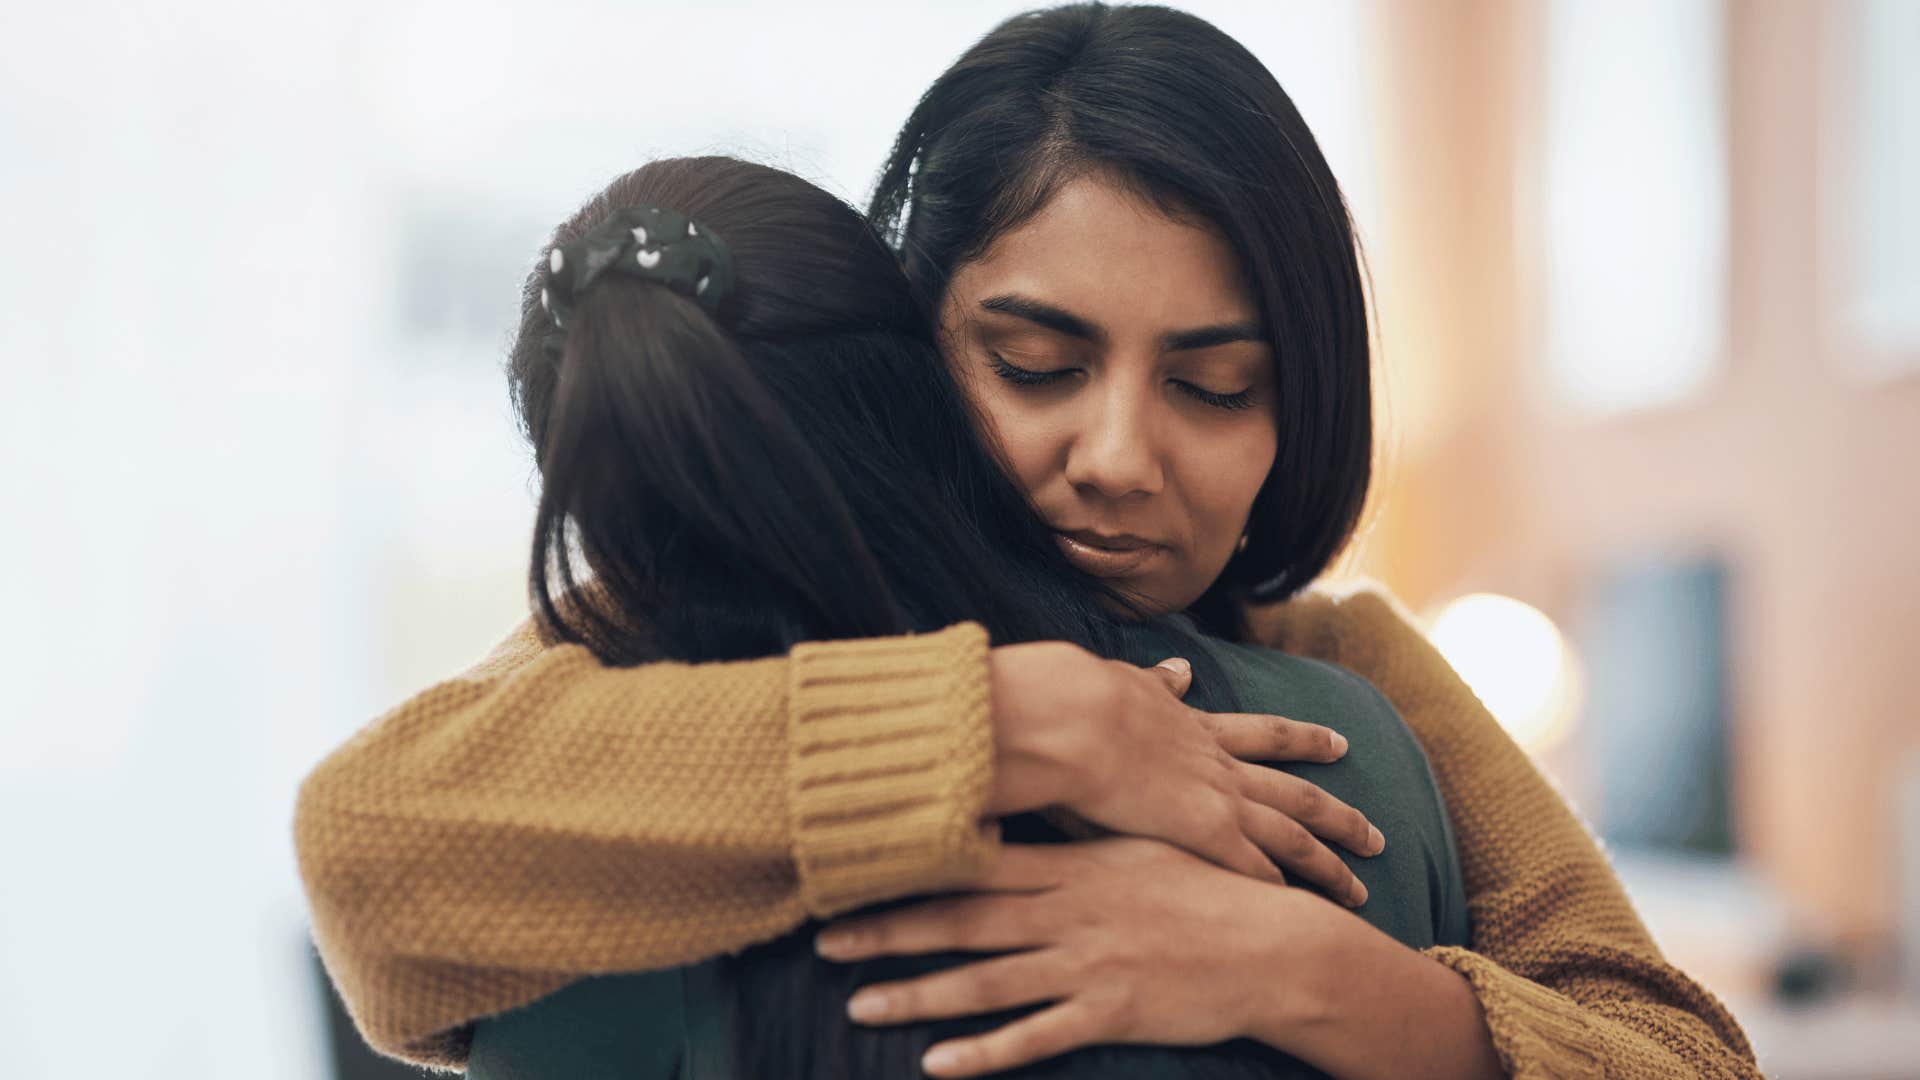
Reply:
x=1648 y=288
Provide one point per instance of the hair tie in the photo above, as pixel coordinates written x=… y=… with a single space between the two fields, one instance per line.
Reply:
x=662 y=246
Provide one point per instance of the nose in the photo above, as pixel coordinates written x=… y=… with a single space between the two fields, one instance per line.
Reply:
x=1115 y=452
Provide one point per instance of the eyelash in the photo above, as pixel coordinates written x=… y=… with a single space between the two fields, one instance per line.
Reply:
x=1240 y=399
x=1020 y=376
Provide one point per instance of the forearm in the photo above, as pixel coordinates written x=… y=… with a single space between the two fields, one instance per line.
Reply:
x=1565 y=971
x=544 y=817
x=1360 y=1005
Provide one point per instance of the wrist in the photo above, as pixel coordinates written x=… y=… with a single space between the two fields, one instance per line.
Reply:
x=1313 y=942
x=1363 y=1005
x=1039 y=759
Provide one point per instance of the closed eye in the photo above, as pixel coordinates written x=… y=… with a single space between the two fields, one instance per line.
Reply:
x=1020 y=376
x=1241 y=399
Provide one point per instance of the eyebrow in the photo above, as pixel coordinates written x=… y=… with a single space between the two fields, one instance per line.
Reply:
x=1061 y=321
x=1206 y=337
x=1040 y=313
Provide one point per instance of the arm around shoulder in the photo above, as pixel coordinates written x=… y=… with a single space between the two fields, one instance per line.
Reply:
x=1569 y=979
x=542 y=817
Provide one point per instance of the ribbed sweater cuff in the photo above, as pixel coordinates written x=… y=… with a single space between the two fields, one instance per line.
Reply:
x=891 y=745
x=1536 y=1031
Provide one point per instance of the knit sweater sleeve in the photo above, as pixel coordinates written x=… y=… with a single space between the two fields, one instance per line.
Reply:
x=1570 y=980
x=542 y=817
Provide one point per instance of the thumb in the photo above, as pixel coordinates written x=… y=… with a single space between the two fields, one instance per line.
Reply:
x=1176 y=673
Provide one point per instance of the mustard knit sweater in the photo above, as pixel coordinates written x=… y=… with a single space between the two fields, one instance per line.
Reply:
x=542 y=817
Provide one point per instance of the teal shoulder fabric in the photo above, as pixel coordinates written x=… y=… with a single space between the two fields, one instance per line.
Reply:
x=625 y=1026
x=1415 y=891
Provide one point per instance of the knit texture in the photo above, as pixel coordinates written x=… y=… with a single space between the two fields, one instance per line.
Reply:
x=542 y=817
x=1570 y=980
x=890 y=758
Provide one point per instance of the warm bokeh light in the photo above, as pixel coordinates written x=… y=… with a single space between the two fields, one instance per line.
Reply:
x=1516 y=660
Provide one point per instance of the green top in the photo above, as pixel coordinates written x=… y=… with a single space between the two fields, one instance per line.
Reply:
x=668 y=1024
x=1414 y=889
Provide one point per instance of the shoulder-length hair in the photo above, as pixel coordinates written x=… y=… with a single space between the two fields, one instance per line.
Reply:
x=1169 y=105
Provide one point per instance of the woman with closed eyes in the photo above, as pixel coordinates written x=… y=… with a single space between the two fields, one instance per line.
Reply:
x=1096 y=205
x=772 y=396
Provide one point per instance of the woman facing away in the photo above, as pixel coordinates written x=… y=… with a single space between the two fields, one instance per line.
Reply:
x=772 y=391
x=1147 y=287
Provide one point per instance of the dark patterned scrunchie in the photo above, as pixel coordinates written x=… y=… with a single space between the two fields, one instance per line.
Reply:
x=662 y=246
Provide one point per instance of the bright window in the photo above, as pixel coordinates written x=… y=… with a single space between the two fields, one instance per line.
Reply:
x=1635 y=201
x=1880 y=305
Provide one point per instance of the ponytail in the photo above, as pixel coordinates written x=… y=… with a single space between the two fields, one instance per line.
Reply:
x=750 y=439
x=662 y=441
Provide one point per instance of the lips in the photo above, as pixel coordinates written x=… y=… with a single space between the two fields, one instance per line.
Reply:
x=1108 y=556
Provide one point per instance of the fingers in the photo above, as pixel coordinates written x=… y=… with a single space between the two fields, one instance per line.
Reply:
x=1241 y=854
x=1323 y=814
x=1258 y=737
x=983 y=986
x=991 y=923
x=1309 y=860
x=1176 y=673
x=1047 y=1033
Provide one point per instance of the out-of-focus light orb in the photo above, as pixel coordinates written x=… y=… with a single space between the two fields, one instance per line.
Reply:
x=1515 y=660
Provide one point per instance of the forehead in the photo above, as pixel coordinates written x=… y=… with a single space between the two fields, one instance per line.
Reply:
x=1113 y=256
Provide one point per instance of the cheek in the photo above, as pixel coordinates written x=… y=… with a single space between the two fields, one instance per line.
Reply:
x=1029 y=447
x=1024 y=447
x=1224 y=476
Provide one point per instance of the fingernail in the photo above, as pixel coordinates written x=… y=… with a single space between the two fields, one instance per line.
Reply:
x=1177 y=665
x=1339 y=745
x=836 y=944
x=1376 y=839
x=868 y=1006
x=1359 y=894
x=942 y=1058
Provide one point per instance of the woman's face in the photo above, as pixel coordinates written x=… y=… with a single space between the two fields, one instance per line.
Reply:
x=1116 y=355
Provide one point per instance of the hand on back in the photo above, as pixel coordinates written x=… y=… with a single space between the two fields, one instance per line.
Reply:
x=1203 y=956
x=1114 y=744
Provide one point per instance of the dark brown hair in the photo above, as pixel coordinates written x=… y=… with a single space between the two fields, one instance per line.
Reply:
x=796 y=466
x=1171 y=106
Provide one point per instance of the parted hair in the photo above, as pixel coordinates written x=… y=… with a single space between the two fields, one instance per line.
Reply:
x=1167 y=104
